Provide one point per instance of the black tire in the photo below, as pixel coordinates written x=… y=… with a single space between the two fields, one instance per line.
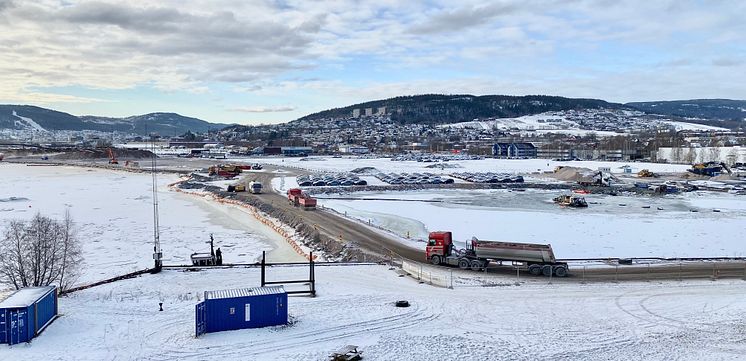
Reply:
x=546 y=270
x=534 y=270
x=463 y=263
x=560 y=271
x=476 y=265
x=435 y=260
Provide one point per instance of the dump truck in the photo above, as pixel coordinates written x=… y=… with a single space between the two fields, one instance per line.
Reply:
x=298 y=198
x=255 y=187
x=538 y=259
x=224 y=170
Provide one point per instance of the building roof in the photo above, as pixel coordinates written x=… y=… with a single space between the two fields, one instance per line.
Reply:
x=26 y=297
x=244 y=292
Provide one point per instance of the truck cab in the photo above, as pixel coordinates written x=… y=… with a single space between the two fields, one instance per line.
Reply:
x=440 y=244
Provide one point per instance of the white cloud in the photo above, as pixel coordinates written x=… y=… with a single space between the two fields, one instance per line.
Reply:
x=578 y=48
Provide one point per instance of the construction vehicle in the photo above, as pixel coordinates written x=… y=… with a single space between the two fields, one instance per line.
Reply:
x=477 y=255
x=2 y=156
x=256 y=166
x=571 y=201
x=224 y=170
x=131 y=164
x=255 y=187
x=710 y=169
x=237 y=188
x=298 y=198
x=645 y=173
x=112 y=157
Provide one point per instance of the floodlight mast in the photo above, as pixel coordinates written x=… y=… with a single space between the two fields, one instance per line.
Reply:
x=157 y=254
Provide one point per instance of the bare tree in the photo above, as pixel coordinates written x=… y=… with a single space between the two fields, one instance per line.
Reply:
x=40 y=252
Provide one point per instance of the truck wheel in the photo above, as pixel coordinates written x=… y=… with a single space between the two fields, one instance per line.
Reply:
x=560 y=271
x=435 y=260
x=546 y=270
x=534 y=269
x=463 y=263
x=476 y=265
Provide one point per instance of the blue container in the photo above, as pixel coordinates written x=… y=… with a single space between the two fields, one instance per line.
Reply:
x=26 y=313
x=242 y=308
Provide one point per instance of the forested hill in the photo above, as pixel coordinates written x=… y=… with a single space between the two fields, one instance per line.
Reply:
x=438 y=108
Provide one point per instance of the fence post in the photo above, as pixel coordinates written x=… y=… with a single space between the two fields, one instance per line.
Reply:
x=616 y=274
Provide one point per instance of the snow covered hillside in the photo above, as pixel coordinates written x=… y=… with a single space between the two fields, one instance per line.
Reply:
x=602 y=122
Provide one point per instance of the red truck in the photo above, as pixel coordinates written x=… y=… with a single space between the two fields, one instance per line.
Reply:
x=538 y=258
x=298 y=198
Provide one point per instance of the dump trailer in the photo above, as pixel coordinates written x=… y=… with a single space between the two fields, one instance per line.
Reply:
x=255 y=187
x=298 y=198
x=477 y=255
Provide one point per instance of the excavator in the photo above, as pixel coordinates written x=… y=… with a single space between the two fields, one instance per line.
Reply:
x=112 y=157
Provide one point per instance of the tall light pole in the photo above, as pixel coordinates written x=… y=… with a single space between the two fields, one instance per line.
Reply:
x=157 y=255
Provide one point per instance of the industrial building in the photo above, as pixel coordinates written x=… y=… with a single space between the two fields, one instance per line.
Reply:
x=241 y=308
x=26 y=313
x=514 y=150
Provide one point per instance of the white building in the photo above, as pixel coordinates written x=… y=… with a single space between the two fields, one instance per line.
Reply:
x=368 y=112
x=353 y=149
x=356 y=113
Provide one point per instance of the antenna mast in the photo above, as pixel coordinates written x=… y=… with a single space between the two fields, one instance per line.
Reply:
x=157 y=255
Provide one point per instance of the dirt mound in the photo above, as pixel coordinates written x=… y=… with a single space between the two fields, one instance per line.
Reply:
x=444 y=165
x=364 y=170
x=102 y=153
x=574 y=174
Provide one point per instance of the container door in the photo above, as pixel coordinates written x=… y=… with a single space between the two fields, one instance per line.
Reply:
x=3 y=326
x=200 y=320
x=15 y=333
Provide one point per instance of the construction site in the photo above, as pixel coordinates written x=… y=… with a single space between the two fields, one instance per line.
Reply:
x=247 y=223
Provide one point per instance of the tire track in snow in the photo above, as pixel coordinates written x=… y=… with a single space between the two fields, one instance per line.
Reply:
x=414 y=317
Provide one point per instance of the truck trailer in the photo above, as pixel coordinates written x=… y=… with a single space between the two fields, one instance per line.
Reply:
x=538 y=258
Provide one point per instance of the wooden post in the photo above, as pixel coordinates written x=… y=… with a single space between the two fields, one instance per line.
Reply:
x=313 y=275
x=263 y=255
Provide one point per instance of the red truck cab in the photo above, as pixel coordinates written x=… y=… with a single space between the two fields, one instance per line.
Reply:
x=439 y=243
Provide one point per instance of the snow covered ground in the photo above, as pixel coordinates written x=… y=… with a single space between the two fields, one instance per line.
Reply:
x=612 y=226
x=346 y=164
x=700 y=320
x=692 y=320
x=114 y=214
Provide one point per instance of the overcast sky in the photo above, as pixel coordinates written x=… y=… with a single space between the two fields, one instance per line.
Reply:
x=254 y=62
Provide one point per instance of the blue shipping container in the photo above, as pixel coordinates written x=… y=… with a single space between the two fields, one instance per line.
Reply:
x=241 y=308
x=26 y=313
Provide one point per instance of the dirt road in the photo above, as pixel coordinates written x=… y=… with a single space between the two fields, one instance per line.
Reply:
x=334 y=226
